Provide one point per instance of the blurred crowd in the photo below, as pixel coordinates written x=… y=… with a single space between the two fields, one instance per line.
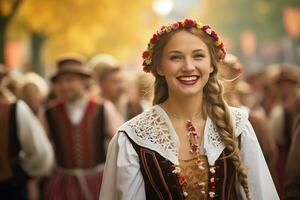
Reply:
x=271 y=95
x=77 y=110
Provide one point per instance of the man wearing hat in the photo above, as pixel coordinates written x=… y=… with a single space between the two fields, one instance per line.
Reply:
x=25 y=150
x=79 y=126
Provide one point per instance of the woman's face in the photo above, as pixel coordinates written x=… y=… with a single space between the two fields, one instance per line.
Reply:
x=185 y=64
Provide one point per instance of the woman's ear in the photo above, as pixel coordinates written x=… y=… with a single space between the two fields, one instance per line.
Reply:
x=211 y=69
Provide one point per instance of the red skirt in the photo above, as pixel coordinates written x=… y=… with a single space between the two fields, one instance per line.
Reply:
x=67 y=187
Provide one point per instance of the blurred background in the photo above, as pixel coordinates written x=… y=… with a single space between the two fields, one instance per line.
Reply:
x=34 y=33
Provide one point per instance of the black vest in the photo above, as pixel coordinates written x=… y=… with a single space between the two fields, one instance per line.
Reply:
x=81 y=145
x=162 y=184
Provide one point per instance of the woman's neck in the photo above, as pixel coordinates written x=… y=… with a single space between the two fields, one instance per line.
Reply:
x=187 y=108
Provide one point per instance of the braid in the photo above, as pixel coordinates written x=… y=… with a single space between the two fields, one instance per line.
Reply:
x=214 y=104
x=218 y=111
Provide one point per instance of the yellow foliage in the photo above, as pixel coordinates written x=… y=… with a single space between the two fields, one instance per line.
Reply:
x=89 y=26
x=5 y=7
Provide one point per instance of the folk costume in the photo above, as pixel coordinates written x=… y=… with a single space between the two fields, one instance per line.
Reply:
x=79 y=131
x=142 y=162
x=143 y=157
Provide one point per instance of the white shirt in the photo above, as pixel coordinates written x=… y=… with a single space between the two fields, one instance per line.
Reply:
x=36 y=154
x=123 y=179
x=112 y=120
x=76 y=109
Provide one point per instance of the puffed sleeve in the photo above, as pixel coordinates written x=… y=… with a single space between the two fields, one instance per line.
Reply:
x=122 y=179
x=37 y=157
x=260 y=182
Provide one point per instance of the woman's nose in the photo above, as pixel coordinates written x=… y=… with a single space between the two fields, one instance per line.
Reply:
x=188 y=65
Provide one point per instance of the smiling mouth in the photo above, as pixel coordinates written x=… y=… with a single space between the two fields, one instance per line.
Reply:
x=188 y=80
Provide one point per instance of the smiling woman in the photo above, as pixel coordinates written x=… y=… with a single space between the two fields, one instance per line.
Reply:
x=186 y=68
x=190 y=144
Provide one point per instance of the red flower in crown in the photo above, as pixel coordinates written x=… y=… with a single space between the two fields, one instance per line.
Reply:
x=154 y=39
x=214 y=35
x=146 y=68
x=205 y=27
x=146 y=54
x=189 y=23
x=175 y=26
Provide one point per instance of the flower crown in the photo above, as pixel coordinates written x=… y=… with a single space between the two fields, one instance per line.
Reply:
x=185 y=24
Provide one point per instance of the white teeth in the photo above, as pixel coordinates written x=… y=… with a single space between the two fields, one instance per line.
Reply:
x=190 y=78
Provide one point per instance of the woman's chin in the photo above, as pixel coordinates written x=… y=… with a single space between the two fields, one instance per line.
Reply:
x=188 y=92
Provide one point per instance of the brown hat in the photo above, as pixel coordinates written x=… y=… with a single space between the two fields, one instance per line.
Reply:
x=71 y=63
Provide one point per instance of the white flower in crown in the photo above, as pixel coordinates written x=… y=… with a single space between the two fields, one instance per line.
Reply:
x=212 y=179
x=208 y=31
x=148 y=61
x=212 y=194
x=159 y=32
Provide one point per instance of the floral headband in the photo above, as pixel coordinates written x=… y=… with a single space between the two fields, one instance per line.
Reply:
x=187 y=23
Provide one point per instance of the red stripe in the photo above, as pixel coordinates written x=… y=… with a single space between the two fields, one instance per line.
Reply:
x=147 y=170
x=87 y=133
x=67 y=135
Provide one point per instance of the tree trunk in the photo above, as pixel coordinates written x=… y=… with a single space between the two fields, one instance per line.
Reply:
x=2 y=39
x=37 y=40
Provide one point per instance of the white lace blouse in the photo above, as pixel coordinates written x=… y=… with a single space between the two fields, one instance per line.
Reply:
x=153 y=129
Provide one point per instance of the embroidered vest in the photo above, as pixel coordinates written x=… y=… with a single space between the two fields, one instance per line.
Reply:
x=81 y=145
x=161 y=183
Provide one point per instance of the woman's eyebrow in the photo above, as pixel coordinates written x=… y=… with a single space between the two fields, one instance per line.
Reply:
x=198 y=50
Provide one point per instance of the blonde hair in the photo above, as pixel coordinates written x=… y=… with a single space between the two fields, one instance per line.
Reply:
x=214 y=104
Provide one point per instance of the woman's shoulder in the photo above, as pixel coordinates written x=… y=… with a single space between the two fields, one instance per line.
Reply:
x=151 y=130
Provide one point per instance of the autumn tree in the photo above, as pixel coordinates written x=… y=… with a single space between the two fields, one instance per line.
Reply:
x=234 y=16
x=87 y=27
x=8 y=9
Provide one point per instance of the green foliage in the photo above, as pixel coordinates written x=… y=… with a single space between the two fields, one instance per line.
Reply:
x=232 y=17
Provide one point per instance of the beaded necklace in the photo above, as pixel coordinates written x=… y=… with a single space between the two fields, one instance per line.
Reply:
x=195 y=150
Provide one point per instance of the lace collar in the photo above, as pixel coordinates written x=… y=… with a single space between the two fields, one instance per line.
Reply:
x=153 y=129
